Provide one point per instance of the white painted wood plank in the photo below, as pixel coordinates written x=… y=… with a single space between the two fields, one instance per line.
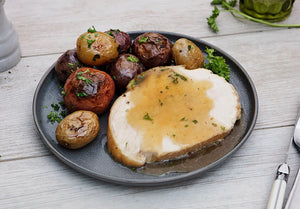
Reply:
x=242 y=181
x=52 y=26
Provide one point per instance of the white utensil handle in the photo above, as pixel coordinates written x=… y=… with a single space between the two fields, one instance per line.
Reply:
x=277 y=193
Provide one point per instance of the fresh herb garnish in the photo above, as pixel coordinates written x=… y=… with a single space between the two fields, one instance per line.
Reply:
x=110 y=33
x=143 y=39
x=92 y=29
x=186 y=125
x=229 y=7
x=82 y=94
x=223 y=128
x=82 y=37
x=217 y=64
x=147 y=117
x=132 y=59
x=71 y=65
x=55 y=106
x=115 y=30
x=64 y=93
x=90 y=42
x=52 y=116
x=190 y=47
x=80 y=77
x=45 y=106
x=182 y=119
x=195 y=121
x=160 y=102
x=181 y=76
x=167 y=87
x=164 y=69
x=63 y=114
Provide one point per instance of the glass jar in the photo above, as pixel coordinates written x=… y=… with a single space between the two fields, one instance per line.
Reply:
x=272 y=10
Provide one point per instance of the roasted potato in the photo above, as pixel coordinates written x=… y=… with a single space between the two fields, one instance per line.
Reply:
x=153 y=49
x=77 y=129
x=96 y=48
x=126 y=67
x=186 y=53
x=122 y=38
x=67 y=63
x=88 y=89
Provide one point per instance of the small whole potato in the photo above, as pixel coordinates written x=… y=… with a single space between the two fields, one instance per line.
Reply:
x=122 y=38
x=88 y=89
x=124 y=69
x=67 y=63
x=153 y=49
x=96 y=48
x=77 y=129
x=186 y=53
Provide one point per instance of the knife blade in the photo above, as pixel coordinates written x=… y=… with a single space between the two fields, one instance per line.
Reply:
x=279 y=186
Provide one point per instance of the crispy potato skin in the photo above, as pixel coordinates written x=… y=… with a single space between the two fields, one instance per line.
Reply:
x=153 y=49
x=77 y=129
x=124 y=70
x=122 y=38
x=98 y=48
x=66 y=64
x=88 y=89
x=186 y=53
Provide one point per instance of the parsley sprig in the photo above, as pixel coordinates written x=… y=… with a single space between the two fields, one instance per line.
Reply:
x=217 y=64
x=229 y=7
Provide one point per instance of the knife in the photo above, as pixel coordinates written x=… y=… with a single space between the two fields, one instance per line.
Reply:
x=293 y=201
x=279 y=186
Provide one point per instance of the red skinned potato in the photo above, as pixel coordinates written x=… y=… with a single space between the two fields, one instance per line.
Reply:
x=88 y=89
x=124 y=69
x=153 y=49
x=122 y=38
x=67 y=63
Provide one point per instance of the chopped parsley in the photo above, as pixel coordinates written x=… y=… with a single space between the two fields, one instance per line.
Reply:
x=217 y=64
x=164 y=69
x=80 y=77
x=115 y=30
x=186 y=125
x=92 y=29
x=132 y=59
x=147 y=117
x=223 y=128
x=143 y=39
x=82 y=94
x=64 y=93
x=160 y=102
x=167 y=87
x=110 y=33
x=71 y=65
x=182 y=119
x=45 y=106
x=63 y=114
x=53 y=117
x=195 y=121
x=190 y=47
x=90 y=42
x=181 y=76
x=82 y=37
x=55 y=106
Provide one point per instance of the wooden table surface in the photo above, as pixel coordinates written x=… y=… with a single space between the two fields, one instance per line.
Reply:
x=32 y=177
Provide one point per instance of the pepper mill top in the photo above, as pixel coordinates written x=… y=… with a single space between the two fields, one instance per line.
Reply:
x=10 y=52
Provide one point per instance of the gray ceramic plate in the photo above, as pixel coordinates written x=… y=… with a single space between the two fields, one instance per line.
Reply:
x=94 y=160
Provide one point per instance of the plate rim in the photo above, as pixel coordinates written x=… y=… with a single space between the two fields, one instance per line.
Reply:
x=157 y=181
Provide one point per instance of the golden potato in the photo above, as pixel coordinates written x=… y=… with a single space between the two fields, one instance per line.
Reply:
x=96 y=48
x=77 y=129
x=186 y=53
